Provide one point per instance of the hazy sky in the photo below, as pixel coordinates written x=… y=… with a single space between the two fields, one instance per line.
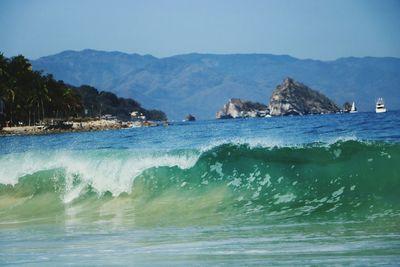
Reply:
x=318 y=29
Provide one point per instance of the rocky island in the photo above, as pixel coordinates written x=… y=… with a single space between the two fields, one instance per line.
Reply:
x=236 y=108
x=295 y=98
x=190 y=117
x=289 y=98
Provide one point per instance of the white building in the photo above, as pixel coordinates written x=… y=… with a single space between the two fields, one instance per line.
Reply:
x=136 y=115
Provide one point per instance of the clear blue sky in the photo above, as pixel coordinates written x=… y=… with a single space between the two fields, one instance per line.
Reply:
x=318 y=29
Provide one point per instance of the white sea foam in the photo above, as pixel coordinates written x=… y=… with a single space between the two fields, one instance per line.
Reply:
x=111 y=171
x=273 y=142
x=267 y=142
x=284 y=198
x=337 y=139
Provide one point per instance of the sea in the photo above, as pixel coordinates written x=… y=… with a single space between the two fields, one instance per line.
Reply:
x=319 y=190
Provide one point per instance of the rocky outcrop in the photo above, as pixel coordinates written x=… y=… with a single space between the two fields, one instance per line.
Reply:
x=294 y=98
x=69 y=126
x=190 y=117
x=236 y=108
x=346 y=107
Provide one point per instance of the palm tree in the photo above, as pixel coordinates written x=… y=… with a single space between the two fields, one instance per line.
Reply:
x=20 y=72
x=72 y=102
x=40 y=93
x=7 y=92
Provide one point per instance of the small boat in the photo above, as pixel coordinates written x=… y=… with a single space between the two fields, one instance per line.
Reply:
x=380 y=106
x=353 y=108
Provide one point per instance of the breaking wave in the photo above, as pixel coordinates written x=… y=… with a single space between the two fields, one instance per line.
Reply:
x=232 y=180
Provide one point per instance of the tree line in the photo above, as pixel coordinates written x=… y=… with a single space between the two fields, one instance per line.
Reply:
x=28 y=97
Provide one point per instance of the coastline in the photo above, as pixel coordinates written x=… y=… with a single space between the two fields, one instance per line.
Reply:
x=88 y=126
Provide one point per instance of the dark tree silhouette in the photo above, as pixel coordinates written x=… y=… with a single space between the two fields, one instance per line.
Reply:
x=29 y=97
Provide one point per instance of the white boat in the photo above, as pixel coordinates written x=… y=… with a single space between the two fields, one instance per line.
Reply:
x=380 y=106
x=353 y=108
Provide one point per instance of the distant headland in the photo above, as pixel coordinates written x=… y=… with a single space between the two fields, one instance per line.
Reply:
x=32 y=102
x=200 y=84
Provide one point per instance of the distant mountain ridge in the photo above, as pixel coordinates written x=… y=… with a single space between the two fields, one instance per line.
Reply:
x=201 y=83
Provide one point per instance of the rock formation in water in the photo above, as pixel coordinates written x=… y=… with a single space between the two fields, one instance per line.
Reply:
x=294 y=98
x=346 y=107
x=236 y=108
x=190 y=117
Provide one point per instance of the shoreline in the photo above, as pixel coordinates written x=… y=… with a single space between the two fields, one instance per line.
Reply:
x=71 y=127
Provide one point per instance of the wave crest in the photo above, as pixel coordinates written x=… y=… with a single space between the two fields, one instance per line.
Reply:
x=345 y=177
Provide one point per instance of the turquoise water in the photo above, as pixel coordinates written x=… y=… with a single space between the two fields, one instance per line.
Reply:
x=313 y=190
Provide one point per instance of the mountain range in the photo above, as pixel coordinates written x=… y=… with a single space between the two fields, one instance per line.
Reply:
x=200 y=84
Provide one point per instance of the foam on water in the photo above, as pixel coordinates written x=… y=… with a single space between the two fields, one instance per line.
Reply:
x=105 y=171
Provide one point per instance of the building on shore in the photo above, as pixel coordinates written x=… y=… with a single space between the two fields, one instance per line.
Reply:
x=138 y=116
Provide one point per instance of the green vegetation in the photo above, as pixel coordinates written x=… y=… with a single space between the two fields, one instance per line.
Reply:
x=28 y=97
x=100 y=103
